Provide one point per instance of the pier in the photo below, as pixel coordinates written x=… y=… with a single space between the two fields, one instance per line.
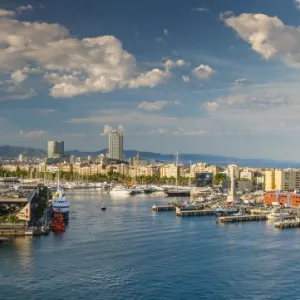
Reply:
x=287 y=224
x=163 y=208
x=246 y=218
x=17 y=229
x=192 y=213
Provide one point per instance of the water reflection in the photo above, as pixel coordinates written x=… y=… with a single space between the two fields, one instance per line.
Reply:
x=23 y=247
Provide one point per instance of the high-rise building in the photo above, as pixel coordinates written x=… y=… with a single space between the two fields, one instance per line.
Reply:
x=56 y=149
x=21 y=157
x=115 y=145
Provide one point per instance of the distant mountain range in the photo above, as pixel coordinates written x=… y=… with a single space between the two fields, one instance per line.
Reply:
x=12 y=152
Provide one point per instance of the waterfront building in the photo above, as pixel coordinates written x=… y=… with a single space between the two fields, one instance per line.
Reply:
x=246 y=174
x=270 y=180
x=214 y=169
x=204 y=179
x=282 y=180
x=141 y=161
x=72 y=159
x=21 y=157
x=122 y=169
x=173 y=170
x=115 y=145
x=198 y=168
x=56 y=149
x=282 y=198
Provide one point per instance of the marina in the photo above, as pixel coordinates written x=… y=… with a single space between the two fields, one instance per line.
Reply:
x=127 y=231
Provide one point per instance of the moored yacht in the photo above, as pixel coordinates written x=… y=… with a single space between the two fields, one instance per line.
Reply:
x=276 y=214
x=120 y=191
x=60 y=203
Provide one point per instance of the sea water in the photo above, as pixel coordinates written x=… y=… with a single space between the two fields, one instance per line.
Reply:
x=130 y=252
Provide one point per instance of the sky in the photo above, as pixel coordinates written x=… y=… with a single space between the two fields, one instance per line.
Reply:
x=201 y=76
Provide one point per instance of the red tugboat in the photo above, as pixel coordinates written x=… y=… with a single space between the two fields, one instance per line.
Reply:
x=58 y=223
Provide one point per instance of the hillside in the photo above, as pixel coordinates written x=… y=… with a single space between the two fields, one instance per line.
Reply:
x=12 y=152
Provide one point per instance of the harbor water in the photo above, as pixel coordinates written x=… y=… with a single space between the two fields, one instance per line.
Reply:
x=130 y=252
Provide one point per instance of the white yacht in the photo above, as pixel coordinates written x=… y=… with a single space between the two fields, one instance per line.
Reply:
x=60 y=202
x=276 y=214
x=120 y=191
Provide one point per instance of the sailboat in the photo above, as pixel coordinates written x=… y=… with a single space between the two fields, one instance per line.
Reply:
x=60 y=203
x=176 y=192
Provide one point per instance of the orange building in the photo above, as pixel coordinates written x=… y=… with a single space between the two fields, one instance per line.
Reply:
x=283 y=198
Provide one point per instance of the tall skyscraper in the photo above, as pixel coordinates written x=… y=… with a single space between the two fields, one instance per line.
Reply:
x=56 y=149
x=115 y=145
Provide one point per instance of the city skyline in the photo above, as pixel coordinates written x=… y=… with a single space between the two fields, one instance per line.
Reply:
x=222 y=81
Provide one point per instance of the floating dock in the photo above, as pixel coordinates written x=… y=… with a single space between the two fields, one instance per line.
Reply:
x=164 y=208
x=246 y=218
x=287 y=224
x=192 y=213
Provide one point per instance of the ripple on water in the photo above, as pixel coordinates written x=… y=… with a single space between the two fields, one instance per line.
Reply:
x=129 y=252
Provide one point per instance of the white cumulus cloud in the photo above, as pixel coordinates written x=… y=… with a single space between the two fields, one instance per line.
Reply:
x=150 y=79
x=107 y=129
x=32 y=134
x=157 y=105
x=200 y=9
x=71 y=66
x=185 y=78
x=24 y=7
x=166 y=31
x=203 y=72
x=170 y=64
x=298 y=3
x=6 y=13
x=268 y=36
x=18 y=76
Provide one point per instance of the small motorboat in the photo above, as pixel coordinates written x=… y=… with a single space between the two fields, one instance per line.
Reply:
x=103 y=207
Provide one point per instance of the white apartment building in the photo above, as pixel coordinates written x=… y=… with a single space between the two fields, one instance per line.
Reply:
x=246 y=174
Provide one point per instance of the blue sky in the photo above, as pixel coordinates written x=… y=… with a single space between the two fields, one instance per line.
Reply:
x=219 y=77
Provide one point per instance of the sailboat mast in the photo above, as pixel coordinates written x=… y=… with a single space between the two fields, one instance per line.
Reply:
x=58 y=181
x=190 y=174
x=176 y=163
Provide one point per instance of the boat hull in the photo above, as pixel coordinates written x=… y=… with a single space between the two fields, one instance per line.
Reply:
x=178 y=193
